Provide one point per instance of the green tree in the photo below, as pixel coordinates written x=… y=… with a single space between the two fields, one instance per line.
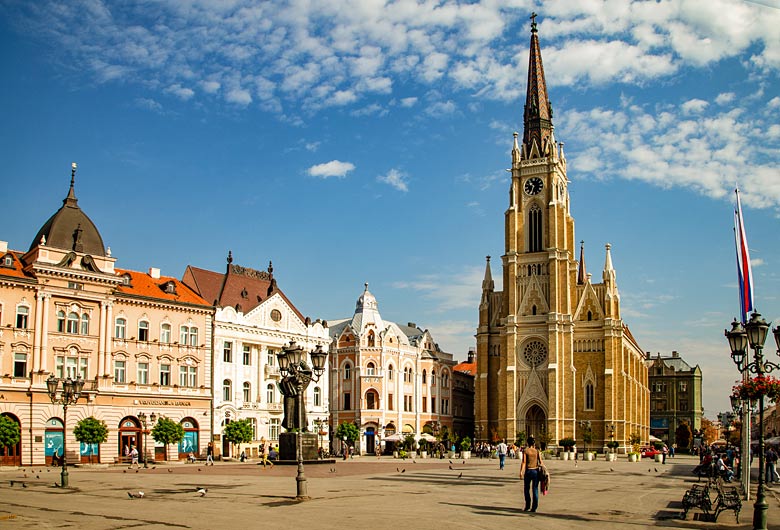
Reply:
x=348 y=431
x=683 y=435
x=587 y=436
x=167 y=432
x=409 y=443
x=9 y=432
x=91 y=431
x=634 y=440
x=238 y=432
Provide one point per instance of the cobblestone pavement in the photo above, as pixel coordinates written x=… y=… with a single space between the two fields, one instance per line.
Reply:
x=378 y=493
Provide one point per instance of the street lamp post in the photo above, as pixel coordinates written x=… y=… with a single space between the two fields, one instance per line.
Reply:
x=152 y=419
x=753 y=334
x=69 y=395
x=319 y=422
x=293 y=365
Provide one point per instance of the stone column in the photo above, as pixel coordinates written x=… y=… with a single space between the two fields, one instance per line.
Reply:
x=37 y=335
x=45 y=334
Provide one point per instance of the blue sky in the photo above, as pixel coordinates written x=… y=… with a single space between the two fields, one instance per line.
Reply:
x=354 y=141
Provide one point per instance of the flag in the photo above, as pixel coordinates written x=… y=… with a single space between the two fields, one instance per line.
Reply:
x=744 y=272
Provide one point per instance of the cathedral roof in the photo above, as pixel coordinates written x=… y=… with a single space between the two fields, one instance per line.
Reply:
x=70 y=228
x=537 y=114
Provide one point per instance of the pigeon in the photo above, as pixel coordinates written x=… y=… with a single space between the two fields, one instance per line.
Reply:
x=154 y=467
x=48 y=470
x=398 y=469
x=12 y=483
x=170 y=470
x=656 y=469
x=464 y=462
x=450 y=467
x=24 y=485
x=202 y=491
x=402 y=471
x=414 y=461
x=137 y=470
x=199 y=470
x=56 y=485
x=124 y=471
x=460 y=475
x=37 y=476
x=611 y=469
x=450 y=461
x=139 y=495
x=649 y=470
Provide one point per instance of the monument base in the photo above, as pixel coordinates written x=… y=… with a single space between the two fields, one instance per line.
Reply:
x=288 y=445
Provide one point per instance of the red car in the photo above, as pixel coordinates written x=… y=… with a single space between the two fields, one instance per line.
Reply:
x=650 y=452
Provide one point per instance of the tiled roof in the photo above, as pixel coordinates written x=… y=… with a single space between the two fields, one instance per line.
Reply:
x=466 y=367
x=141 y=284
x=15 y=271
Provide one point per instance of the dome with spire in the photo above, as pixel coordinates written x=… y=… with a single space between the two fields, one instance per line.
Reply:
x=70 y=228
x=367 y=301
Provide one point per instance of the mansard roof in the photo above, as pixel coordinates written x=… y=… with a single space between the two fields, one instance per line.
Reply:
x=164 y=288
x=16 y=269
x=70 y=228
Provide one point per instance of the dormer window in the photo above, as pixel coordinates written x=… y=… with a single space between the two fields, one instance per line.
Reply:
x=170 y=287
x=126 y=280
x=8 y=261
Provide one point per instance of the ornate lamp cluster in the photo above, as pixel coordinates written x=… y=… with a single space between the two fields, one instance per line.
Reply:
x=153 y=419
x=753 y=334
x=68 y=395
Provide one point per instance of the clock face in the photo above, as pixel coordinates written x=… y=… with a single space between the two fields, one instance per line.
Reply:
x=533 y=186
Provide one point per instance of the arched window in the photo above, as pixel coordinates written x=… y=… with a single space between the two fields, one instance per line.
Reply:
x=73 y=323
x=424 y=377
x=371 y=339
x=590 y=316
x=317 y=397
x=372 y=399
x=535 y=229
x=590 y=400
x=370 y=369
x=247 y=392
x=433 y=377
x=347 y=371
x=165 y=333
x=61 y=321
x=445 y=380
x=143 y=331
x=227 y=390
x=120 y=327
x=269 y=394
x=84 y=324
x=389 y=372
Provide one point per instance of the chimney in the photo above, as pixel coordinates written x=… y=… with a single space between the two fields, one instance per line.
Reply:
x=472 y=354
x=675 y=354
x=154 y=272
x=3 y=247
x=411 y=324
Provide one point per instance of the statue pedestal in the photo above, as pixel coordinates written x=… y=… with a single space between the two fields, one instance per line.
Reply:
x=288 y=443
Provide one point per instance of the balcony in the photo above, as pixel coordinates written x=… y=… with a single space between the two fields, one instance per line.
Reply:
x=272 y=371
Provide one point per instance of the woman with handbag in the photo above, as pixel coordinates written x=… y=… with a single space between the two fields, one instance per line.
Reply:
x=531 y=472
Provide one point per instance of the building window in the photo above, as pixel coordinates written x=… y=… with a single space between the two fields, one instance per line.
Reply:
x=372 y=400
x=119 y=371
x=143 y=331
x=188 y=376
x=120 y=327
x=347 y=401
x=683 y=405
x=407 y=375
x=22 y=312
x=347 y=371
x=165 y=333
x=188 y=335
x=433 y=404
x=20 y=365
x=253 y=423
x=269 y=394
x=370 y=369
x=590 y=401
x=61 y=321
x=317 y=397
x=424 y=377
x=445 y=406
x=247 y=356
x=84 y=324
x=389 y=372
x=535 y=229
x=683 y=386
x=165 y=374
x=143 y=373
x=227 y=390
x=371 y=339
x=227 y=352
x=433 y=377
x=270 y=356
x=407 y=403
x=273 y=428
x=73 y=323
x=247 y=392
x=425 y=404
x=445 y=380
x=72 y=367
x=390 y=402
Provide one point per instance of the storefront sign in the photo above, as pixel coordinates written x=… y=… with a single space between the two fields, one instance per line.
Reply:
x=162 y=403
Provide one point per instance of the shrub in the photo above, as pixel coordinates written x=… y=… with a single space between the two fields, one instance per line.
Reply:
x=567 y=443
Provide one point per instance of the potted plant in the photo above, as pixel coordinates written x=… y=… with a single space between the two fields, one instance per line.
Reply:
x=423 y=443
x=659 y=446
x=465 y=447
x=410 y=444
x=633 y=456
x=568 y=444
x=612 y=445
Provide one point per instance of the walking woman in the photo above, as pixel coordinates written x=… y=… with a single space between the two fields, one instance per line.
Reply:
x=530 y=473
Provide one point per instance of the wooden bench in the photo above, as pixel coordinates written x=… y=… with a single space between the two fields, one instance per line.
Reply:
x=697 y=497
x=728 y=499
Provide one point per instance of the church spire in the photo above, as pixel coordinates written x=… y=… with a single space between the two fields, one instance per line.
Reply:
x=609 y=271
x=71 y=200
x=581 y=274
x=537 y=115
x=487 y=283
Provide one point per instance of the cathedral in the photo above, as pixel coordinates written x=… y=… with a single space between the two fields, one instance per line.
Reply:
x=554 y=358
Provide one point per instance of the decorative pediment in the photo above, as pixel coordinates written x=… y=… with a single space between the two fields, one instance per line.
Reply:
x=533 y=297
x=533 y=389
x=589 y=307
x=589 y=377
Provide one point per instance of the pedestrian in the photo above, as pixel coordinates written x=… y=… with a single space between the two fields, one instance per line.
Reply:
x=723 y=470
x=134 y=457
x=771 y=474
x=672 y=450
x=501 y=450
x=210 y=454
x=530 y=473
x=242 y=458
x=264 y=450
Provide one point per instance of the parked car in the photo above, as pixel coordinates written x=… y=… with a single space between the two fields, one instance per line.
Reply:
x=650 y=452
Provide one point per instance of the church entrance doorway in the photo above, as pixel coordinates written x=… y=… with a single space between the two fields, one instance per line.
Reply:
x=535 y=422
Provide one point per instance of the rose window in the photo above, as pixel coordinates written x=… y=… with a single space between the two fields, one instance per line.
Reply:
x=535 y=353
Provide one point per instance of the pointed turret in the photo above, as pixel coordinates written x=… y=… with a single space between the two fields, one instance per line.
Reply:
x=487 y=283
x=581 y=274
x=609 y=271
x=537 y=116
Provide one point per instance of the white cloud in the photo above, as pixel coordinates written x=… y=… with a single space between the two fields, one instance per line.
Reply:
x=408 y=102
x=774 y=103
x=396 y=179
x=312 y=146
x=148 y=104
x=210 y=87
x=694 y=106
x=334 y=168
x=440 y=109
x=725 y=98
x=238 y=96
x=180 y=91
x=457 y=290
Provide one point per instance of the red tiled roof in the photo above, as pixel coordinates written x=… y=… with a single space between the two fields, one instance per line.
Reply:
x=141 y=284
x=466 y=367
x=15 y=270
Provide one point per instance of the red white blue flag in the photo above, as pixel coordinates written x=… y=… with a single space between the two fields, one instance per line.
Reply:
x=744 y=272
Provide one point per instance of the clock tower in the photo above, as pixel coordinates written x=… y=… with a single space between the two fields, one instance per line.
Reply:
x=549 y=342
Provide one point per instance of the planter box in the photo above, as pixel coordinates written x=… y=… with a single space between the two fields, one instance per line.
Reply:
x=659 y=457
x=611 y=457
x=423 y=454
x=633 y=458
x=465 y=455
x=564 y=456
x=588 y=456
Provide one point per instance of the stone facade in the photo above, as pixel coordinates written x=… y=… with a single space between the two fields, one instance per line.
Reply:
x=389 y=379
x=254 y=320
x=142 y=342
x=675 y=396
x=552 y=349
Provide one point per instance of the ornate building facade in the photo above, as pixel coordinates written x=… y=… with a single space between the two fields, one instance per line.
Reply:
x=389 y=379
x=552 y=349
x=254 y=320
x=675 y=396
x=142 y=341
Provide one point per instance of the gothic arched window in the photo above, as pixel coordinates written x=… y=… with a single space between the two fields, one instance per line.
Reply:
x=590 y=401
x=535 y=229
